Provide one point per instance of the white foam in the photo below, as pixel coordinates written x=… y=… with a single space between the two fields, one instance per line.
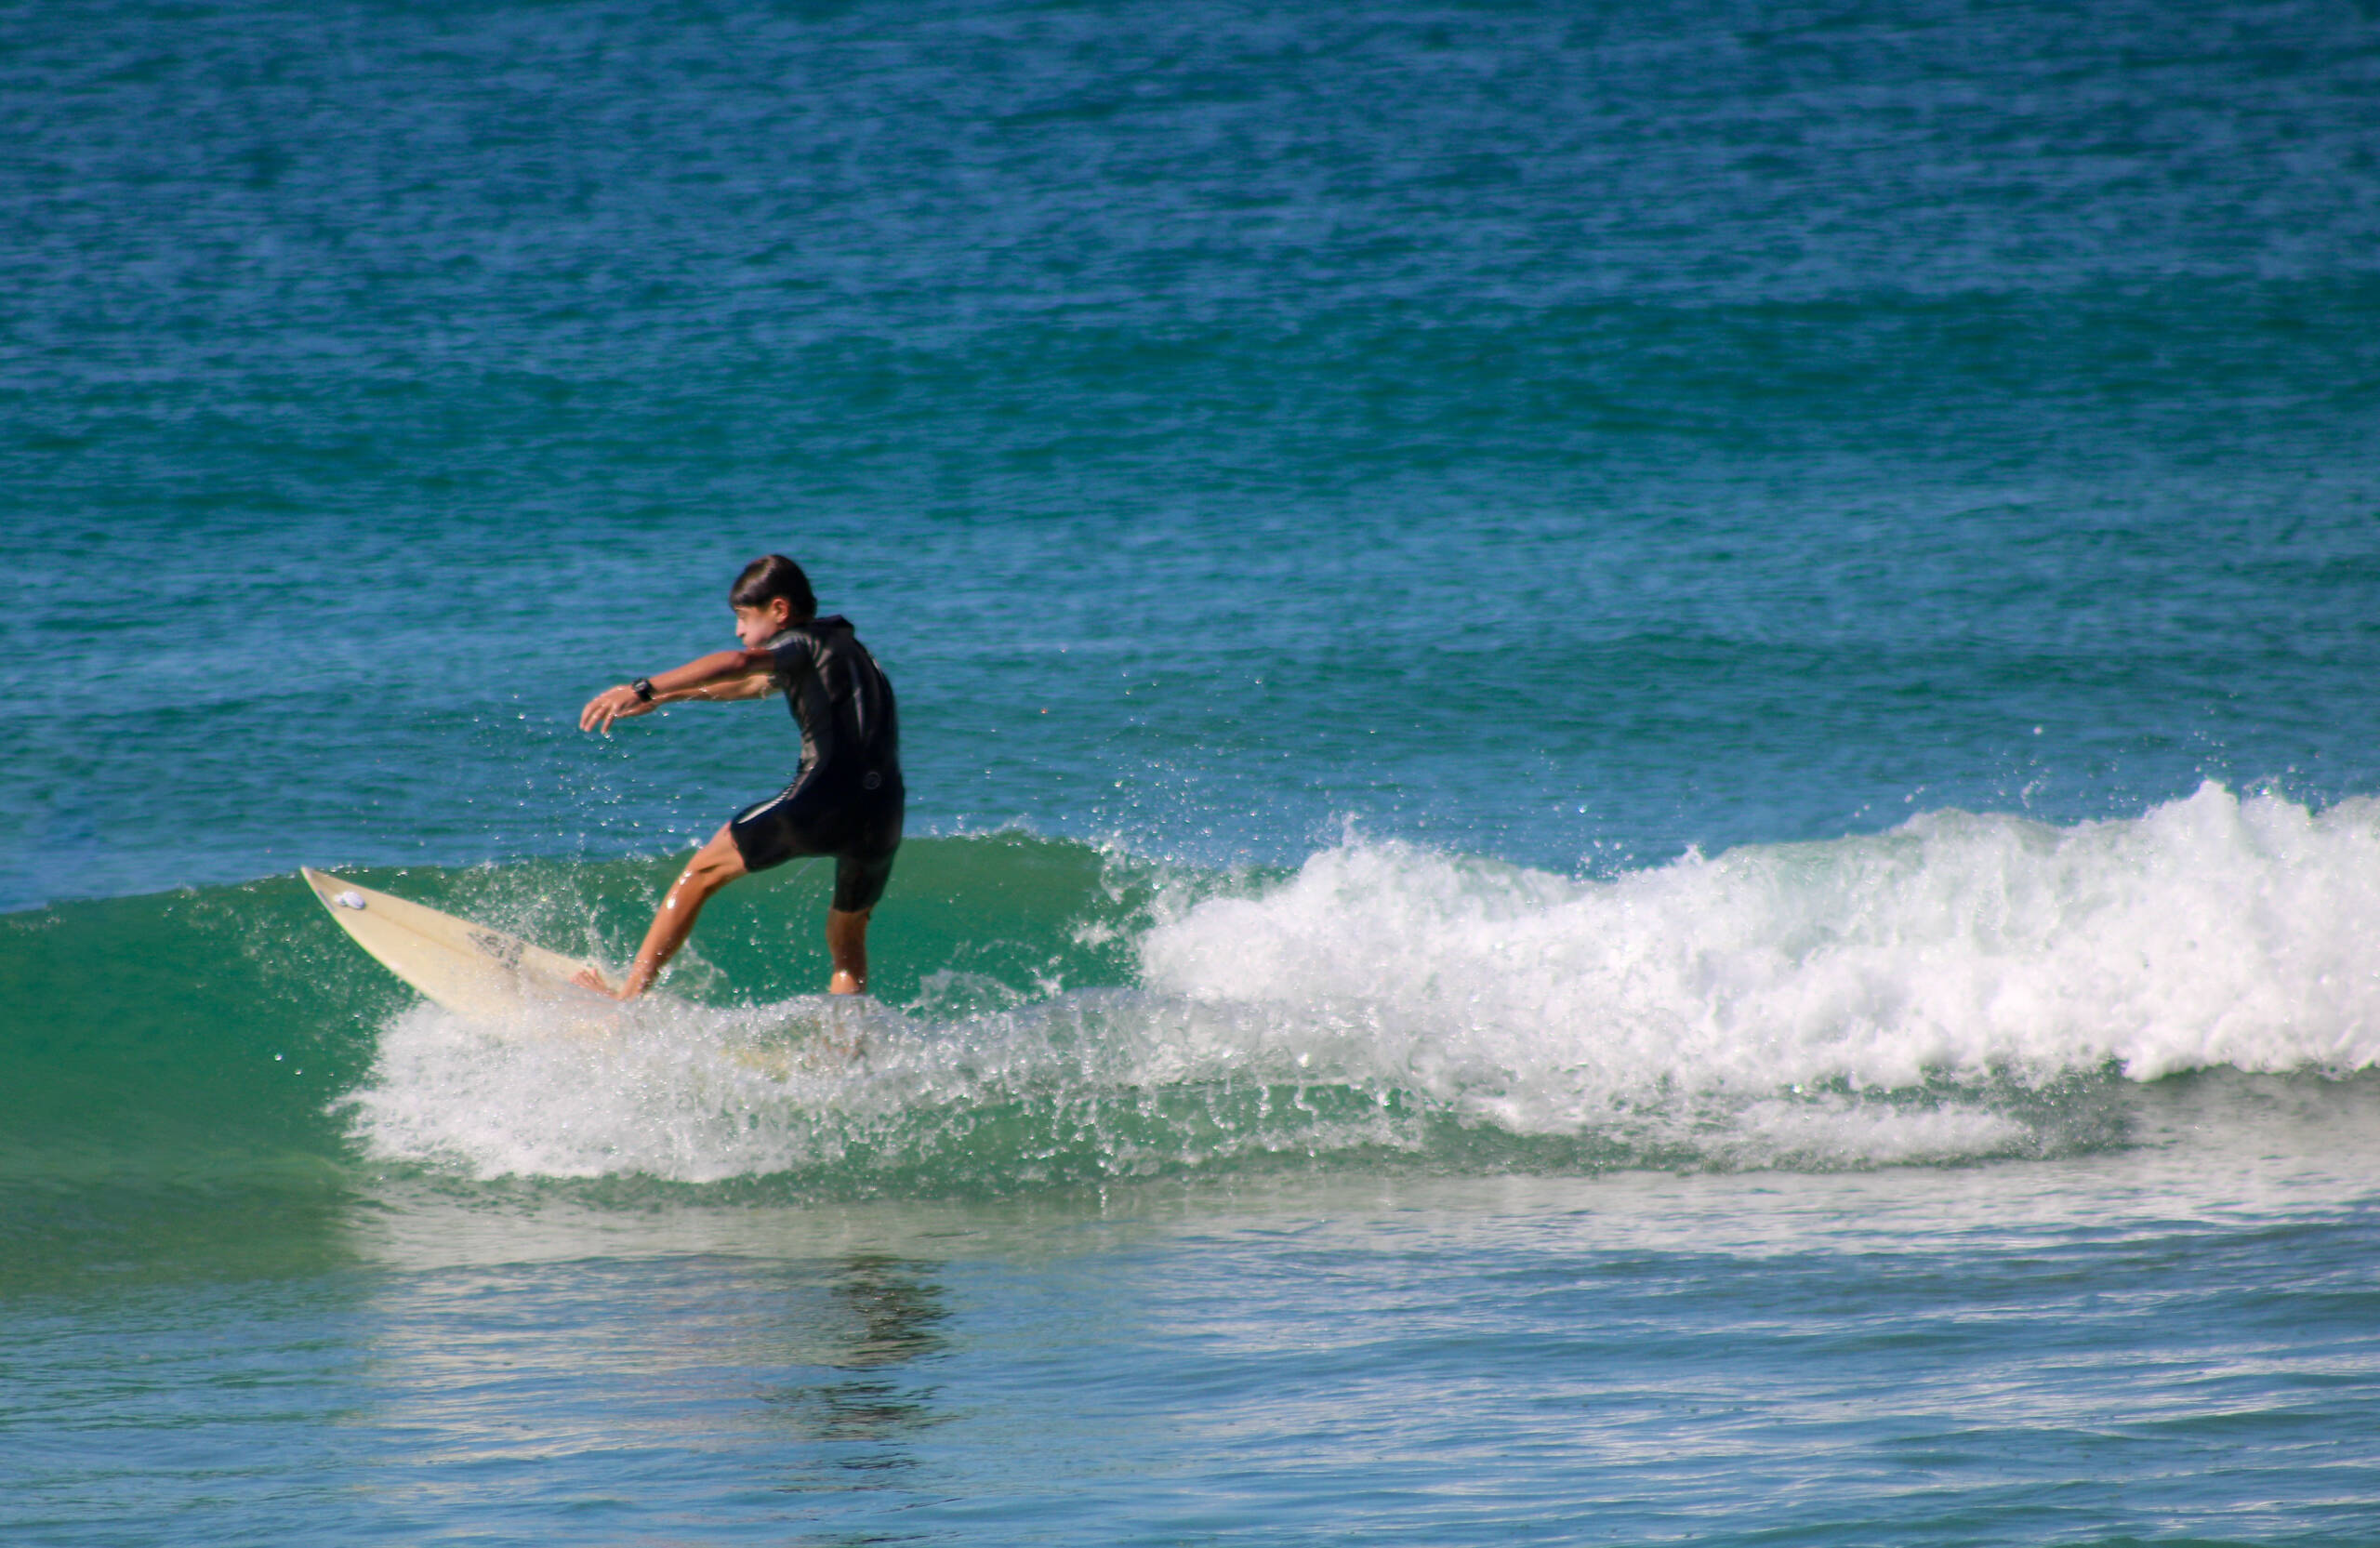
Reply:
x=2212 y=931
x=696 y=1094
x=675 y=1091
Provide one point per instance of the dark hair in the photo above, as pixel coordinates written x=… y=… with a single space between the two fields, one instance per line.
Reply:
x=772 y=574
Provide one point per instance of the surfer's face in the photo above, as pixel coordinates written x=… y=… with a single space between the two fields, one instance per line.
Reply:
x=756 y=626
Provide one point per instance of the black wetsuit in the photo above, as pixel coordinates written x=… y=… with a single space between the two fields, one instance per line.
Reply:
x=847 y=798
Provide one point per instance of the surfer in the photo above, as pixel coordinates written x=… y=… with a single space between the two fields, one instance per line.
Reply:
x=846 y=797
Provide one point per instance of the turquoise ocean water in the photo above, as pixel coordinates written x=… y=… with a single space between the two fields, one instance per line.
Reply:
x=1643 y=745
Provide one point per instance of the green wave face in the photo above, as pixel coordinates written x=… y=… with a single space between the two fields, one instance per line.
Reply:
x=232 y=1020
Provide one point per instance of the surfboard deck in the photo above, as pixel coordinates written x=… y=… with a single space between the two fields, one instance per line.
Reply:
x=486 y=975
x=466 y=967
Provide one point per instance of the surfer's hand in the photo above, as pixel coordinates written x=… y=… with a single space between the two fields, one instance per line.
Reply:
x=612 y=704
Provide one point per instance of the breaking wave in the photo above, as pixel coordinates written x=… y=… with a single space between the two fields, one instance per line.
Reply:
x=1961 y=988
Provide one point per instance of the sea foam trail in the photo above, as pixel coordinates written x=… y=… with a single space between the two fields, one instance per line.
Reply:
x=1931 y=994
x=2212 y=931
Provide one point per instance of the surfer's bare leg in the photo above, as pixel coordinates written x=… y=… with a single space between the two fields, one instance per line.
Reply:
x=847 y=945
x=714 y=866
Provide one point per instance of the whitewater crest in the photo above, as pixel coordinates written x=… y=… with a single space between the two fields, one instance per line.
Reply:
x=2213 y=931
x=1958 y=987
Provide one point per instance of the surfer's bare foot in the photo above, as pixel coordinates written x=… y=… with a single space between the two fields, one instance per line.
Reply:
x=587 y=978
x=844 y=983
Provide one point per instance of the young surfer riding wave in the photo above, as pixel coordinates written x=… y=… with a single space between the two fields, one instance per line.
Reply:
x=846 y=798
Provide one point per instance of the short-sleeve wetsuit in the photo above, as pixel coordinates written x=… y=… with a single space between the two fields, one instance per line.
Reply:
x=846 y=798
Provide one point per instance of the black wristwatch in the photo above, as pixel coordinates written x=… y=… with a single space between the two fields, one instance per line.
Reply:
x=642 y=688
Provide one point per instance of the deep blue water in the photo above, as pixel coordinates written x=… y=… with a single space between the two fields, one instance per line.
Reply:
x=1641 y=740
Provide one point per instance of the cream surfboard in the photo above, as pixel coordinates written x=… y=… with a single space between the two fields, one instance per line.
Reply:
x=486 y=975
x=466 y=967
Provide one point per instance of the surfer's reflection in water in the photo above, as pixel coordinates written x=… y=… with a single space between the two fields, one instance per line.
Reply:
x=889 y=1310
x=846 y=798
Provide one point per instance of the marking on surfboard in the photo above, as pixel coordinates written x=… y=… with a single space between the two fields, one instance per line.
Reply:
x=502 y=948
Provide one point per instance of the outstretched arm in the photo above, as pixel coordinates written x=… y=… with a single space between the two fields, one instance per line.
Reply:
x=721 y=675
